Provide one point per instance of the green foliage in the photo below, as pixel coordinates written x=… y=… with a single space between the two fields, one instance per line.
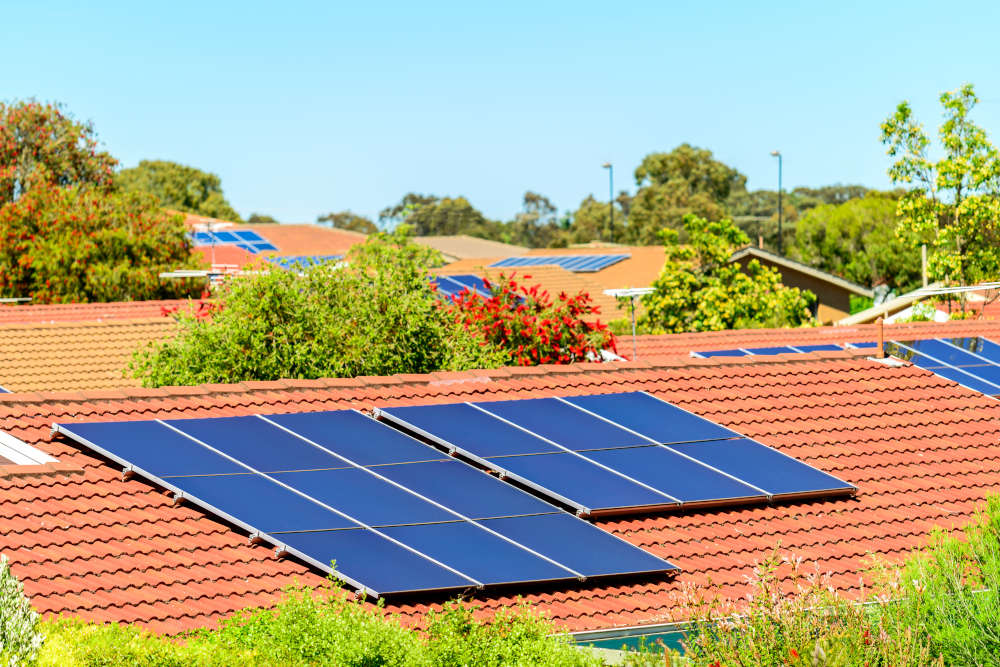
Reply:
x=590 y=222
x=39 y=143
x=857 y=241
x=514 y=636
x=860 y=303
x=700 y=290
x=76 y=244
x=351 y=222
x=376 y=316
x=954 y=202
x=687 y=180
x=323 y=627
x=20 y=635
x=179 y=187
x=536 y=225
x=260 y=219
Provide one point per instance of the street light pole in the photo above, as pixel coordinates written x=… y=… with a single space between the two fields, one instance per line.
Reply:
x=611 y=200
x=781 y=244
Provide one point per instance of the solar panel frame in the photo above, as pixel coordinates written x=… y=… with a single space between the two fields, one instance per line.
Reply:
x=248 y=235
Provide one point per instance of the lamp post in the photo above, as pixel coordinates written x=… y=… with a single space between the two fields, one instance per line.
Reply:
x=611 y=200
x=777 y=154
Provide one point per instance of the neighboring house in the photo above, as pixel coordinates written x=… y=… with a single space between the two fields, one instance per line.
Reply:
x=461 y=246
x=833 y=293
x=69 y=347
x=90 y=541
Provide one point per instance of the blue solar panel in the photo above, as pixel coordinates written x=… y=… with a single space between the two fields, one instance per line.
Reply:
x=350 y=434
x=983 y=347
x=580 y=483
x=262 y=246
x=451 y=285
x=822 y=347
x=578 y=263
x=943 y=352
x=762 y=466
x=4 y=390
x=461 y=426
x=722 y=353
x=367 y=559
x=257 y=443
x=474 y=283
x=563 y=424
x=153 y=447
x=227 y=237
x=351 y=490
x=561 y=537
x=478 y=553
x=769 y=351
x=653 y=418
x=686 y=480
x=202 y=238
x=248 y=235
x=455 y=484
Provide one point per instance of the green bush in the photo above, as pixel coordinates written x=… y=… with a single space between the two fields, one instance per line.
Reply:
x=20 y=636
x=320 y=628
x=376 y=316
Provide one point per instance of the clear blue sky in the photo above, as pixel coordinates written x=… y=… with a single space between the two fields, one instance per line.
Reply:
x=309 y=107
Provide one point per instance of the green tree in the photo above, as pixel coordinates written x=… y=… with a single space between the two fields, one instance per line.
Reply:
x=445 y=216
x=700 y=290
x=857 y=241
x=375 y=316
x=352 y=222
x=391 y=216
x=953 y=203
x=179 y=187
x=40 y=143
x=590 y=222
x=536 y=225
x=260 y=219
x=81 y=244
x=671 y=185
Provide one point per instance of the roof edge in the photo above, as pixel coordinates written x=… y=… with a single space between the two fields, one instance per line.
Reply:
x=819 y=274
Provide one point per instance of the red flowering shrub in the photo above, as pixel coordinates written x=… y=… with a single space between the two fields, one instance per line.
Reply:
x=529 y=327
x=79 y=244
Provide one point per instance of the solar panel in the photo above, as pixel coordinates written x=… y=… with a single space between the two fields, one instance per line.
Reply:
x=341 y=486
x=721 y=353
x=577 y=263
x=614 y=452
x=452 y=285
x=246 y=239
x=248 y=235
x=769 y=351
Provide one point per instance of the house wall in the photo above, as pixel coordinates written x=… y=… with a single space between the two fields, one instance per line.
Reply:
x=834 y=301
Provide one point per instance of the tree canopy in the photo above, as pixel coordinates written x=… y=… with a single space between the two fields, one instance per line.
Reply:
x=78 y=244
x=349 y=221
x=857 y=241
x=260 y=219
x=700 y=290
x=179 y=187
x=953 y=203
x=40 y=143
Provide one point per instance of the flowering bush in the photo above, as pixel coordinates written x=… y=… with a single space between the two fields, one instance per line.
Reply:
x=20 y=637
x=77 y=244
x=529 y=327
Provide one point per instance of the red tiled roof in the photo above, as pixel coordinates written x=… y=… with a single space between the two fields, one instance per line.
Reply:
x=922 y=450
x=673 y=346
x=85 y=312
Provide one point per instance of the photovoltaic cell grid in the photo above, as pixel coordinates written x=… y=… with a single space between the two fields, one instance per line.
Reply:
x=300 y=262
x=971 y=362
x=615 y=452
x=247 y=239
x=577 y=263
x=451 y=286
x=395 y=514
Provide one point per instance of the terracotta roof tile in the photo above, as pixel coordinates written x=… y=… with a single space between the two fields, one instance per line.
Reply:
x=922 y=450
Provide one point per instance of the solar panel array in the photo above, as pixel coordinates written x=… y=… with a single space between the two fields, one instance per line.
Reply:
x=577 y=263
x=300 y=262
x=247 y=239
x=615 y=452
x=395 y=514
x=451 y=286
x=971 y=362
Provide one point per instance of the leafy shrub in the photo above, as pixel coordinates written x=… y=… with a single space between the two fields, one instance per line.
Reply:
x=699 y=289
x=20 y=636
x=376 y=316
x=529 y=327
x=76 y=244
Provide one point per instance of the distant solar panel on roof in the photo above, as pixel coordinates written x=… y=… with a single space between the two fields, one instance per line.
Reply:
x=300 y=262
x=577 y=263
x=395 y=514
x=247 y=239
x=615 y=452
x=450 y=286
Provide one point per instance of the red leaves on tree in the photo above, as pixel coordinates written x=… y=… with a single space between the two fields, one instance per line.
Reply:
x=529 y=326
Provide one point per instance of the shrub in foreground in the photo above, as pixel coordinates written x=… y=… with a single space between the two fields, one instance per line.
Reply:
x=20 y=635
